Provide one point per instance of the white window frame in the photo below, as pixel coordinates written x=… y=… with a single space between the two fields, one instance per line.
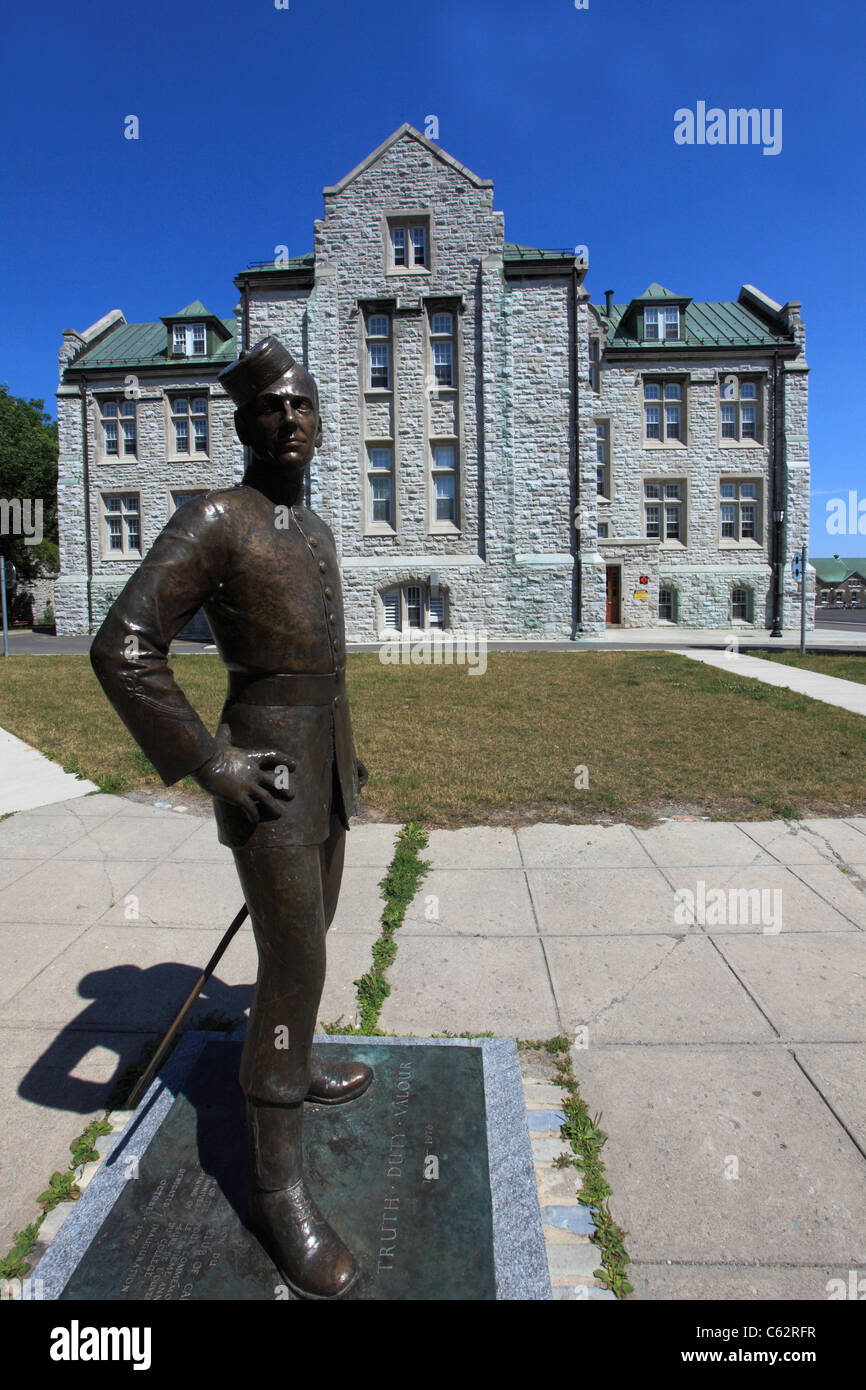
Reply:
x=737 y=501
x=186 y=337
x=661 y=317
x=595 y=364
x=122 y=414
x=442 y=470
x=409 y=235
x=443 y=342
x=379 y=345
x=430 y=607
x=443 y=368
x=659 y=497
x=672 y=396
x=190 y=416
x=377 y=471
x=602 y=459
x=126 y=508
x=375 y=319
x=734 y=404
x=750 y=603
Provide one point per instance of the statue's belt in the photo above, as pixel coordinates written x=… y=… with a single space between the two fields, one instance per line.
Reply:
x=288 y=689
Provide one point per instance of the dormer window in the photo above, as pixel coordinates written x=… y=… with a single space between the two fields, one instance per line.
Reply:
x=661 y=324
x=189 y=340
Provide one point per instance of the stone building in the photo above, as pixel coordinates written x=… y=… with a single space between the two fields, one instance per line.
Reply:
x=499 y=452
x=142 y=425
x=701 y=412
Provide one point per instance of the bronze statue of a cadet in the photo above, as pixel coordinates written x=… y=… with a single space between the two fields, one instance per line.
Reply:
x=282 y=768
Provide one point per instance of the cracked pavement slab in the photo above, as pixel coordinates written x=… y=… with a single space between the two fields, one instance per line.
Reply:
x=704 y=1040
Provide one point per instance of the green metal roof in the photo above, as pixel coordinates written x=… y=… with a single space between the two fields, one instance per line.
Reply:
x=146 y=345
x=196 y=310
x=836 y=571
x=702 y=324
x=305 y=262
x=516 y=252
x=656 y=291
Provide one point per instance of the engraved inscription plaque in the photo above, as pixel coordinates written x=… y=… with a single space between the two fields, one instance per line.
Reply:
x=404 y=1172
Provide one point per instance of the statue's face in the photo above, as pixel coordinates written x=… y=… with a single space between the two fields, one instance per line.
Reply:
x=282 y=424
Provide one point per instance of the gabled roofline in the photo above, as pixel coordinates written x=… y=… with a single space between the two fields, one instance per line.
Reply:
x=100 y=327
x=780 y=317
x=406 y=129
x=665 y=296
x=846 y=565
x=136 y=362
x=642 y=301
x=202 y=316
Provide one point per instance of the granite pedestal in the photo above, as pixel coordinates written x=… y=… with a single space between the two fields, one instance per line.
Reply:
x=428 y=1177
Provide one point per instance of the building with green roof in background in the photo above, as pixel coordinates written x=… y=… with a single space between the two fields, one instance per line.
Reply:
x=500 y=451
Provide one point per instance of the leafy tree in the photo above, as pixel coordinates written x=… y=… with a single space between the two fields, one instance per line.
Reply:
x=28 y=472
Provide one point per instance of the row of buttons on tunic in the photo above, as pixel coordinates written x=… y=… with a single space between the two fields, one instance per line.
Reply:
x=329 y=594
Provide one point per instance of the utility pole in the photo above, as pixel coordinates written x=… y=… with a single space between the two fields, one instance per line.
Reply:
x=3 y=602
x=803 y=605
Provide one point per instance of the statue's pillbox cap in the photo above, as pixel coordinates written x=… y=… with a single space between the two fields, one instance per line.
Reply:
x=256 y=368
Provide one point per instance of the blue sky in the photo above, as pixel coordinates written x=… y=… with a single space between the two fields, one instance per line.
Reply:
x=247 y=111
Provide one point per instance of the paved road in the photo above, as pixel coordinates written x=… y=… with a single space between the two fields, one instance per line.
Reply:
x=833 y=637
x=853 y=619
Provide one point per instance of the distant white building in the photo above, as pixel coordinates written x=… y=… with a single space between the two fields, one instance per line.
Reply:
x=498 y=451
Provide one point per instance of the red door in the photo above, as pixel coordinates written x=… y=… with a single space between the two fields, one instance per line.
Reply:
x=612 y=613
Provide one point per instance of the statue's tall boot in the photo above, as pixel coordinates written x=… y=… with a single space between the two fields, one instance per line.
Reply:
x=334 y=1083
x=312 y=1259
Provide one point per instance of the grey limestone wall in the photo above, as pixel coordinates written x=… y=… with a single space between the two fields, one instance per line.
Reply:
x=797 y=483
x=702 y=568
x=152 y=476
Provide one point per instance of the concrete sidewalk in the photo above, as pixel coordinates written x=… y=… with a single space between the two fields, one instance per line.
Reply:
x=724 y=1045
x=721 y=1033
x=30 y=779
x=850 y=695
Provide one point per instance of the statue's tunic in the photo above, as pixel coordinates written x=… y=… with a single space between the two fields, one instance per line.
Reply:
x=268 y=579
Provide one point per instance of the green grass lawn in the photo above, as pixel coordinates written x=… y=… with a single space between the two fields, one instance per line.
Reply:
x=847 y=668
x=658 y=734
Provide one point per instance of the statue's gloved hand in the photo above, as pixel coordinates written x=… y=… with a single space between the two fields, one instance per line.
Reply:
x=248 y=778
x=363 y=774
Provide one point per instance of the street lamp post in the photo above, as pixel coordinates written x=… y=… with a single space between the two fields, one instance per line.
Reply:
x=779 y=559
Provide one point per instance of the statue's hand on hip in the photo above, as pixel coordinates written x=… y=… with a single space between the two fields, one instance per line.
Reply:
x=247 y=778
